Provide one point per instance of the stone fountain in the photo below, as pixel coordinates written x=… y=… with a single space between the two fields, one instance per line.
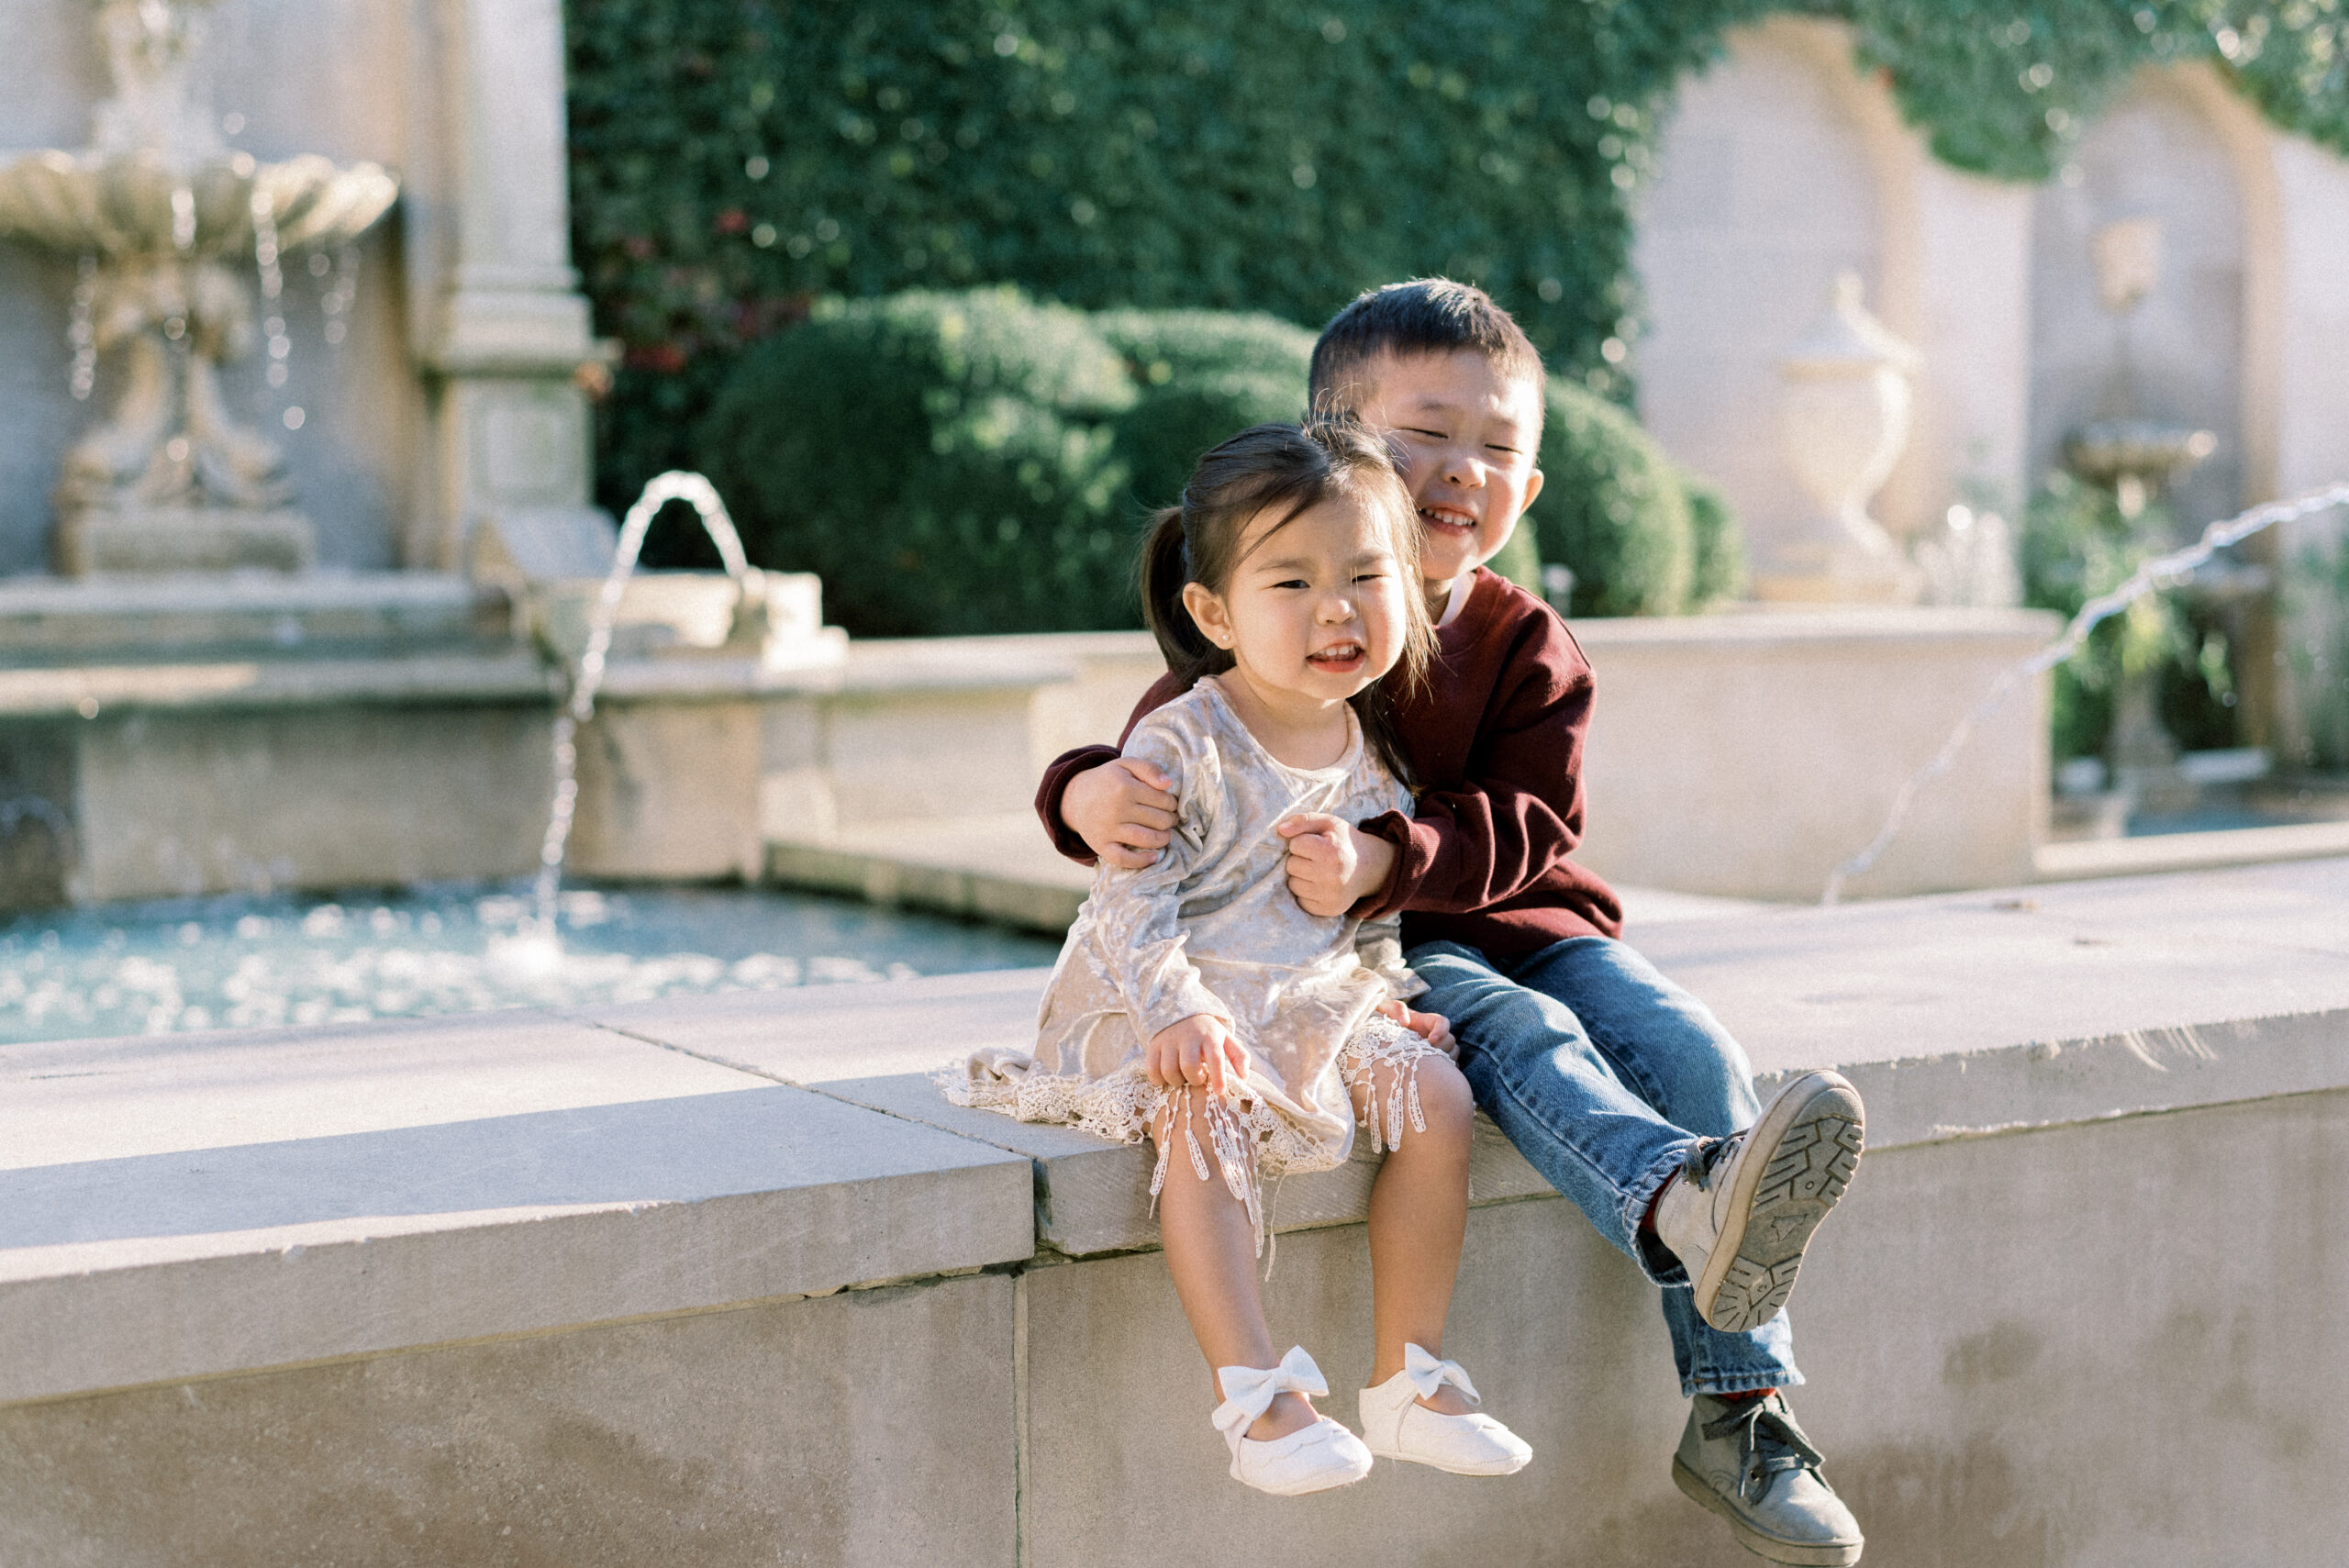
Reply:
x=2136 y=457
x=2121 y=449
x=161 y=214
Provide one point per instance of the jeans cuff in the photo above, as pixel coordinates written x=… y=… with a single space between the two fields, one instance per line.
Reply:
x=1719 y=1383
x=1656 y=1262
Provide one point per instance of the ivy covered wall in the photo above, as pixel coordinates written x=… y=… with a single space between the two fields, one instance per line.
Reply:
x=732 y=159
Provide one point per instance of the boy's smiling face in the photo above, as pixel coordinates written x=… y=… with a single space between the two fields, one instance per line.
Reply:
x=1467 y=434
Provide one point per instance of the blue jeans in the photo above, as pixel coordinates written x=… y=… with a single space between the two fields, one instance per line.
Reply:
x=1604 y=1073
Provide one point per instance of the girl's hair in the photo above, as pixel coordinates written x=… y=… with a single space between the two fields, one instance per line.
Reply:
x=1288 y=470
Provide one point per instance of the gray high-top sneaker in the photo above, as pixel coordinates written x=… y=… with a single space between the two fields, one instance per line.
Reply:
x=1741 y=1213
x=1748 y=1461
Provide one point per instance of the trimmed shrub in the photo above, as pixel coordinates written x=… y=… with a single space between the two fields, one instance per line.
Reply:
x=974 y=462
x=942 y=460
x=1718 y=572
x=1520 y=560
x=1612 y=509
x=1200 y=377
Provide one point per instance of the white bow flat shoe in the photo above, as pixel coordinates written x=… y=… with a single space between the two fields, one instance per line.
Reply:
x=1311 y=1459
x=1396 y=1426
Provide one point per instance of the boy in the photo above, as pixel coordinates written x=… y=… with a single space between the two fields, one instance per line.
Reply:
x=1621 y=1088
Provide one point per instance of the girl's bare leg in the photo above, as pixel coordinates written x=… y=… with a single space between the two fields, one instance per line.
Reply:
x=1419 y=1216
x=1211 y=1252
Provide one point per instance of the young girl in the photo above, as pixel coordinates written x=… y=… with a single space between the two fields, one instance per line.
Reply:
x=1197 y=1004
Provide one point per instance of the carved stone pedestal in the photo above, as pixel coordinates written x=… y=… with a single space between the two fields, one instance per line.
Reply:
x=182 y=538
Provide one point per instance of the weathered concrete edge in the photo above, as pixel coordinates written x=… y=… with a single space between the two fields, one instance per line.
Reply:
x=286 y=1295
x=181 y=1307
x=1928 y=1099
x=1097 y=1200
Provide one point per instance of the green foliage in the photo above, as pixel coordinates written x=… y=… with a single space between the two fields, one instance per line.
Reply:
x=2005 y=88
x=1612 y=509
x=1520 y=560
x=1718 y=572
x=944 y=461
x=733 y=160
x=972 y=462
x=1200 y=377
x=2076 y=545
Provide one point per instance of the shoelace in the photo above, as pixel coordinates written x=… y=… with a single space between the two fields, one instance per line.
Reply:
x=1768 y=1444
x=1707 y=1156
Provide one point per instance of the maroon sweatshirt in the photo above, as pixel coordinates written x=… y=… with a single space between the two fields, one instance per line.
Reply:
x=1495 y=737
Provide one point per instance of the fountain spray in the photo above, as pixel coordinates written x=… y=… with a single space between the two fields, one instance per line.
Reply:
x=2157 y=571
x=540 y=946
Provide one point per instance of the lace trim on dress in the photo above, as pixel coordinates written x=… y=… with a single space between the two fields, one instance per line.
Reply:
x=1383 y=1041
x=1249 y=1137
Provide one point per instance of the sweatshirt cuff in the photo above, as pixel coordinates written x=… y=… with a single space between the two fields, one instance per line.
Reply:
x=1064 y=768
x=1415 y=843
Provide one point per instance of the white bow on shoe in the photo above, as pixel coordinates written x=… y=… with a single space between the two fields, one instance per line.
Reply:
x=1311 y=1459
x=1397 y=1426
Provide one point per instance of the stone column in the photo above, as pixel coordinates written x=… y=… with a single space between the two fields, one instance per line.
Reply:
x=509 y=330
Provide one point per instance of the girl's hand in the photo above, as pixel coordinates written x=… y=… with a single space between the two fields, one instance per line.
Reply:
x=1200 y=1053
x=1332 y=865
x=1436 y=1031
x=1123 y=811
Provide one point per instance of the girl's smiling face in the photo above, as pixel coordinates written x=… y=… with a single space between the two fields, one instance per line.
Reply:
x=1314 y=609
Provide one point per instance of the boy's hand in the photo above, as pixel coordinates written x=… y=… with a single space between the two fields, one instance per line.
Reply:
x=1332 y=865
x=1199 y=1051
x=1436 y=1031
x=1123 y=811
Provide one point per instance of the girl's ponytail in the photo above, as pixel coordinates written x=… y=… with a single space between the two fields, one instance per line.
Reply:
x=1165 y=570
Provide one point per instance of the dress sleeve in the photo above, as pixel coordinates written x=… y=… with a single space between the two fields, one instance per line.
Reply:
x=1136 y=913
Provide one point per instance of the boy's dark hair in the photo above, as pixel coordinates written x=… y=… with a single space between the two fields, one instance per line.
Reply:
x=1288 y=469
x=1426 y=315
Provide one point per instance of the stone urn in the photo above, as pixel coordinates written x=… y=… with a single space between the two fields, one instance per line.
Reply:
x=1845 y=414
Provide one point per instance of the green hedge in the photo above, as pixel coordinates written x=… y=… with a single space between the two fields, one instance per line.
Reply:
x=978 y=461
x=1612 y=509
x=945 y=462
x=1202 y=376
x=733 y=160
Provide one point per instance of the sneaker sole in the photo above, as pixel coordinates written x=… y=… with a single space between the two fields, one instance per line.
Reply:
x=1813 y=1134
x=1832 y=1554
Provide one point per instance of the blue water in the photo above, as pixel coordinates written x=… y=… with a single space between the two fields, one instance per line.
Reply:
x=270 y=962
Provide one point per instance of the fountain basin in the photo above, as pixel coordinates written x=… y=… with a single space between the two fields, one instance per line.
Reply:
x=129 y=205
x=244 y=962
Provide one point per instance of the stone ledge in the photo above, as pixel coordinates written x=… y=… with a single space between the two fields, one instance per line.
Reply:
x=518 y=676
x=1954 y=1014
x=197 y=1205
x=313 y=1199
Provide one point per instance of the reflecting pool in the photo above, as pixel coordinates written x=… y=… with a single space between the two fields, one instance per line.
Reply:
x=268 y=962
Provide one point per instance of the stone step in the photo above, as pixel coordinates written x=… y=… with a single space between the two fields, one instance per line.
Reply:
x=125 y=619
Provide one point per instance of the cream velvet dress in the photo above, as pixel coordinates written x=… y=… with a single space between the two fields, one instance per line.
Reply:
x=1212 y=928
